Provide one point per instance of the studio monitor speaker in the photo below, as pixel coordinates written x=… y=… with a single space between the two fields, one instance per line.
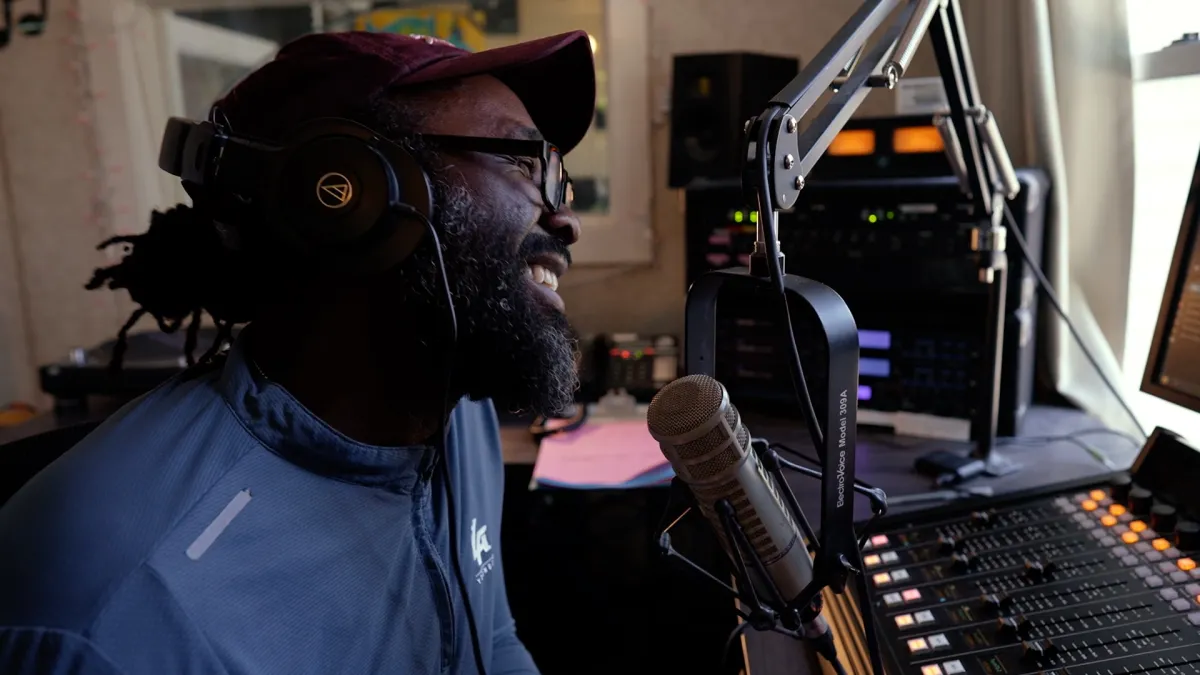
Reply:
x=712 y=96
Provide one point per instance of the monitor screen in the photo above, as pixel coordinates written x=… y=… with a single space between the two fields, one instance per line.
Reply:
x=1173 y=369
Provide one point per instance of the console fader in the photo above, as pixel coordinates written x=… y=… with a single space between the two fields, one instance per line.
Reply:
x=1097 y=579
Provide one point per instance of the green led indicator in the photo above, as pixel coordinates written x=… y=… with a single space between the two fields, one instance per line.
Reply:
x=872 y=218
x=738 y=216
x=891 y=215
x=754 y=216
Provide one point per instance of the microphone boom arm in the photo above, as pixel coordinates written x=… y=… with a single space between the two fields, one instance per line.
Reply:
x=980 y=159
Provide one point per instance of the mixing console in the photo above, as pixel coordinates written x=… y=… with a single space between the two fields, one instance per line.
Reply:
x=1094 y=580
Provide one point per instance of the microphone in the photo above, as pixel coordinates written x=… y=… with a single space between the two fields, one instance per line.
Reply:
x=701 y=434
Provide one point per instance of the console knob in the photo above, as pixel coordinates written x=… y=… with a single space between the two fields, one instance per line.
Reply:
x=1033 y=650
x=997 y=602
x=1119 y=487
x=961 y=562
x=949 y=544
x=1187 y=536
x=1162 y=517
x=1038 y=570
x=982 y=518
x=1014 y=626
x=1140 y=500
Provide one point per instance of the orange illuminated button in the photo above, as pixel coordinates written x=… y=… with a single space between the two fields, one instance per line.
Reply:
x=1186 y=564
x=1108 y=521
x=1089 y=505
x=1160 y=544
x=872 y=560
x=1117 y=510
x=1137 y=526
x=1097 y=494
x=1129 y=538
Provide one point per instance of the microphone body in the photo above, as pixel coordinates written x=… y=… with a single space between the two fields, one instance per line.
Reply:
x=701 y=434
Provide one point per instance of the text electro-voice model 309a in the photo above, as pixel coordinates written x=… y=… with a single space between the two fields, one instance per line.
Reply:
x=884 y=223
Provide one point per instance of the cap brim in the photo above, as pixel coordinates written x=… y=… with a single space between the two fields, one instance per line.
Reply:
x=555 y=77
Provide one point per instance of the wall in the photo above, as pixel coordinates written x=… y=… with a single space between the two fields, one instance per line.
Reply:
x=79 y=131
x=82 y=106
x=601 y=300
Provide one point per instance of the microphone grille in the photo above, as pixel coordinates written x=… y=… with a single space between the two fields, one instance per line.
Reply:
x=684 y=405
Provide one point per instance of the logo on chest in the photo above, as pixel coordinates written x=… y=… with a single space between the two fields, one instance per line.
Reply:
x=481 y=551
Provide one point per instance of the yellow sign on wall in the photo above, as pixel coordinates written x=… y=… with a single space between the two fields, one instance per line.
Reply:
x=460 y=26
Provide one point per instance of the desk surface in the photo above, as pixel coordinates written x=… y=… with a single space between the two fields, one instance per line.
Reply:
x=887 y=462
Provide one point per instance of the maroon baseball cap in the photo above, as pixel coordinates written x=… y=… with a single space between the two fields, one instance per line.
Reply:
x=332 y=74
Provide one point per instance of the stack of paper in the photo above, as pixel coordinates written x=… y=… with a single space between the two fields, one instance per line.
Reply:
x=602 y=454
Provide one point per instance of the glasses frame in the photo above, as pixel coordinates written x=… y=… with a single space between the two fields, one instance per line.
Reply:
x=543 y=151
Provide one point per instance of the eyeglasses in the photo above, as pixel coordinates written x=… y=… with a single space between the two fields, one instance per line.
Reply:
x=549 y=174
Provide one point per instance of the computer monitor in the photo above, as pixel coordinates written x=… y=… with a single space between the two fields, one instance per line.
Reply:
x=1173 y=369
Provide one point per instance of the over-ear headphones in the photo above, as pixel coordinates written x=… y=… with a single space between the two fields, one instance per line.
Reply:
x=334 y=193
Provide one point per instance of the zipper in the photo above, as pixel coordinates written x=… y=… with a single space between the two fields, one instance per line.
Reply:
x=443 y=600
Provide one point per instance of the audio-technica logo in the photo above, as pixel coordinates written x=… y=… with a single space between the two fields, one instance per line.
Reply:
x=334 y=190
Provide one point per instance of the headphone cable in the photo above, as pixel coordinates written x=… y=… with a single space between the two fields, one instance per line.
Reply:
x=443 y=424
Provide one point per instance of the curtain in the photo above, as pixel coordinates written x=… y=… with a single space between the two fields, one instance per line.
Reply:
x=1078 y=94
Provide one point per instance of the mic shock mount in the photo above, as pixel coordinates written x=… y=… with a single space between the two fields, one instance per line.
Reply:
x=773 y=612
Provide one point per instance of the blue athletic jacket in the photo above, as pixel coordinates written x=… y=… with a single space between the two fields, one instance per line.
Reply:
x=216 y=526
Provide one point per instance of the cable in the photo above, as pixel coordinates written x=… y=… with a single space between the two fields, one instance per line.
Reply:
x=766 y=219
x=823 y=644
x=447 y=408
x=734 y=636
x=1076 y=439
x=1048 y=291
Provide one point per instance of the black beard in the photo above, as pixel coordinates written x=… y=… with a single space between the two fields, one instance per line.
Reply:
x=511 y=348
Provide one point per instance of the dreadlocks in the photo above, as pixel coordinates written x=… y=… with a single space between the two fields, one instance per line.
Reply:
x=176 y=271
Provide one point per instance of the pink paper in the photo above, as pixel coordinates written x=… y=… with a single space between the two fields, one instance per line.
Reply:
x=599 y=453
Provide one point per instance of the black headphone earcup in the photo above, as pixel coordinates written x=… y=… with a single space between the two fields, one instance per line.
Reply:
x=346 y=201
x=398 y=233
x=330 y=191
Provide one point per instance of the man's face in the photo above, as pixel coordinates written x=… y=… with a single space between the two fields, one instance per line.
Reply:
x=503 y=251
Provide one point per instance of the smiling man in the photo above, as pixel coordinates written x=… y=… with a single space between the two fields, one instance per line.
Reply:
x=292 y=508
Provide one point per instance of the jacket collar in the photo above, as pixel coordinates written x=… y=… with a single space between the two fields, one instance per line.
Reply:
x=287 y=428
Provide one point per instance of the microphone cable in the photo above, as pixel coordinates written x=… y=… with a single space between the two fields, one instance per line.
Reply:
x=1048 y=290
x=443 y=424
x=823 y=643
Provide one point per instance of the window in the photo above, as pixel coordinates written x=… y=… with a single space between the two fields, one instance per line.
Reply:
x=1166 y=144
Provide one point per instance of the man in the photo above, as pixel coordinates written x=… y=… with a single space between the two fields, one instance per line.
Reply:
x=290 y=509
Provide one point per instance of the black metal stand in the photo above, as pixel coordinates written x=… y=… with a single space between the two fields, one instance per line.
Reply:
x=824 y=309
x=837 y=551
x=979 y=167
x=983 y=428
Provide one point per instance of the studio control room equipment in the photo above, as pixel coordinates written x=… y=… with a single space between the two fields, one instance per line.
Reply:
x=884 y=223
x=1091 y=578
x=786 y=571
